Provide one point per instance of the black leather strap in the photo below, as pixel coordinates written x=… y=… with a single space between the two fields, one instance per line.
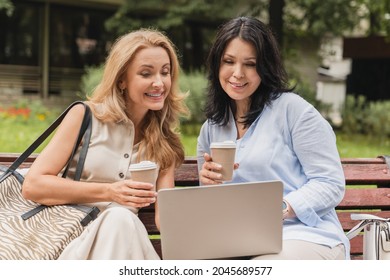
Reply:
x=92 y=213
x=83 y=151
x=33 y=211
x=85 y=134
x=85 y=126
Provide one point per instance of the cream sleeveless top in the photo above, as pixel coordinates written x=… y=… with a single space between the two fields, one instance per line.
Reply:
x=111 y=151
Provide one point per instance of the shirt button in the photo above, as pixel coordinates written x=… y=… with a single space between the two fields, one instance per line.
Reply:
x=121 y=175
x=126 y=155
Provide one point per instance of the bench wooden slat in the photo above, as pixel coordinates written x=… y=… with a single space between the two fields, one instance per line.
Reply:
x=157 y=246
x=357 y=171
x=366 y=174
x=357 y=245
x=7 y=158
x=187 y=175
x=147 y=217
x=366 y=199
x=376 y=160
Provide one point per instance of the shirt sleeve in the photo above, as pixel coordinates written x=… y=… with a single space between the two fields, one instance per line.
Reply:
x=314 y=143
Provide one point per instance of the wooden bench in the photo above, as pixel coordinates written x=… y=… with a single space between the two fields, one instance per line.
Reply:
x=368 y=191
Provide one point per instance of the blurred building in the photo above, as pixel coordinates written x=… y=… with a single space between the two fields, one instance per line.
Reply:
x=370 y=69
x=353 y=66
x=46 y=45
x=332 y=75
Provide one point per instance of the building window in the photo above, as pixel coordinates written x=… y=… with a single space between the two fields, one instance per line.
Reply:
x=19 y=35
x=77 y=37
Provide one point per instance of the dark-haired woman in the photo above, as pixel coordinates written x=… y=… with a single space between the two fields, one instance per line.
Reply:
x=279 y=136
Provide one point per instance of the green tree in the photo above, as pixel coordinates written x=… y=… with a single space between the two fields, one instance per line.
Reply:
x=288 y=18
x=316 y=18
x=134 y=14
x=7 y=6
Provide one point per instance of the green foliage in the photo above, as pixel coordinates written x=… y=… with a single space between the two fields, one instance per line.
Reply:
x=7 y=6
x=378 y=14
x=369 y=118
x=354 y=114
x=378 y=118
x=90 y=80
x=134 y=14
x=300 y=17
x=195 y=83
x=321 y=17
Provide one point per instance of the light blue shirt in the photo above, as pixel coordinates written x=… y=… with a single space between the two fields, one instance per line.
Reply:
x=290 y=141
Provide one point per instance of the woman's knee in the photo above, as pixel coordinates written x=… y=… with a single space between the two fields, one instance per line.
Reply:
x=120 y=217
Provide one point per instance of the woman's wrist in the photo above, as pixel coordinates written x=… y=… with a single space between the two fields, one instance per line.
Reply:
x=285 y=209
x=288 y=212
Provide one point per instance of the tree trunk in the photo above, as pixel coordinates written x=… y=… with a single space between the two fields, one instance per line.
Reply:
x=276 y=22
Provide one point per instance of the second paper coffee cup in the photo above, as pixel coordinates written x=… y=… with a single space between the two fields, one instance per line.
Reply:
x=145 y=171
x=224 y=154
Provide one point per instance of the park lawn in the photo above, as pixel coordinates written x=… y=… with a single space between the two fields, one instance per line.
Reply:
x=362 y=146
x=18 y=136
x=349 y=146
x=15 y=137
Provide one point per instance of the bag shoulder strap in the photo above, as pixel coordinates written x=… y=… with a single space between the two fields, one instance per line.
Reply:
x=85 y=134
x=365 y=219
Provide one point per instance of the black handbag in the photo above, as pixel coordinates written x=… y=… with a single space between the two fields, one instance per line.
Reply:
x=29 y=230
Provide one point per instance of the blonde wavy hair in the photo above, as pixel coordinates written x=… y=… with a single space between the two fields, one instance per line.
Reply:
x=160 y=129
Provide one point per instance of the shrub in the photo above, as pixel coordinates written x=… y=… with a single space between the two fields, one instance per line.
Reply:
x=363 y=117
x=90 y=80
x=195 y=84
x=354 y=114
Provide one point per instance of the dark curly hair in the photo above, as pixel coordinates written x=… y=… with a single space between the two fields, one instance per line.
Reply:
x=269 y=66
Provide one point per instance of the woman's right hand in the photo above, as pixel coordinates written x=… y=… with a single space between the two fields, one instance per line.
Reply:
x=133 y=193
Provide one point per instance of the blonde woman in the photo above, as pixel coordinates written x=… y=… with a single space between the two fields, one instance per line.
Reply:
x=136 y=108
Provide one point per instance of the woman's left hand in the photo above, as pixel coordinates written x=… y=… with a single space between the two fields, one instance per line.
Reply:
x=132 y=193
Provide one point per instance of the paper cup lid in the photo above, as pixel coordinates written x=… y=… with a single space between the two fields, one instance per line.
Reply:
x=224 y=144
x=142 y=165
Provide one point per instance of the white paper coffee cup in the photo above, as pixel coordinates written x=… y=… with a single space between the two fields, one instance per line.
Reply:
x=144 y=171
x=224 y=153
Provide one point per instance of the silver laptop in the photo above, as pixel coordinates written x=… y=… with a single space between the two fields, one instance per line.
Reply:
x=221 y=221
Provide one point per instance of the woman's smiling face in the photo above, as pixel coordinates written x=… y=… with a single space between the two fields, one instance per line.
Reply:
x=237 y=73
x=148 y=79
